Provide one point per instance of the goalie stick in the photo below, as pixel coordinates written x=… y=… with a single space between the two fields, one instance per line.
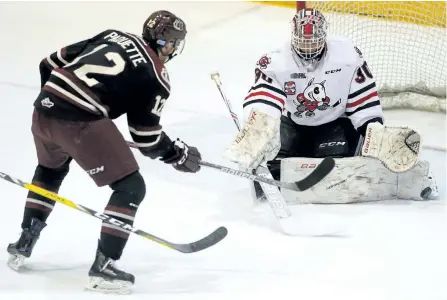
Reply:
x=206 y=242
x=321 y=171
x=216 y=78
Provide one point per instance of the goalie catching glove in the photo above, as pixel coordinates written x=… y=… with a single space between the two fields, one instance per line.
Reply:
x=257 y=142
x=397 y=147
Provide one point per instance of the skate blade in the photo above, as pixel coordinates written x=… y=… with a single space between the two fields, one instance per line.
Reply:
x=16 y=261
x=98 y=284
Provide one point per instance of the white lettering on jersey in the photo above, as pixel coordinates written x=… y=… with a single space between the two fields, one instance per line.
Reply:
x=127 y=44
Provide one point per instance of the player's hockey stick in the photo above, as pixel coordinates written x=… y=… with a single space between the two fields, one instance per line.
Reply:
x=321 y=171
x=206 y=242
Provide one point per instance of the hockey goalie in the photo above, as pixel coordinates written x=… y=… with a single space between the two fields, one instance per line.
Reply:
x=316 y=98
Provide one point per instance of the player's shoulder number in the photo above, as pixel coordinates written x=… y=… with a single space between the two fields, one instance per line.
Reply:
x=86 y=69
x=117 y=68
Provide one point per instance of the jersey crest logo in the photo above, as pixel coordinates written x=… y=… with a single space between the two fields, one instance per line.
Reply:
x=264 y=62
x=312 y=99
x=290 y=88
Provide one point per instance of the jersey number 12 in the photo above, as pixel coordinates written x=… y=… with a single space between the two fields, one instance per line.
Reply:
x=159 y=104
x=84 y=70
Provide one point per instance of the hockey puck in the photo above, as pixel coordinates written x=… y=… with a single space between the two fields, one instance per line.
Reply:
x=426 y=193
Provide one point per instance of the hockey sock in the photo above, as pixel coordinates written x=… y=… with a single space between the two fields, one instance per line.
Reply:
x=123 y=205
x=37 y=206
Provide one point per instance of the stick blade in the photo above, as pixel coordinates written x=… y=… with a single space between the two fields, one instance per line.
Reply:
x=320 y=172
x=210 y=240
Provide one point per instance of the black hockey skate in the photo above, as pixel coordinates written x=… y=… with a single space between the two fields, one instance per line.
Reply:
x=23 y=248
x=105 y=277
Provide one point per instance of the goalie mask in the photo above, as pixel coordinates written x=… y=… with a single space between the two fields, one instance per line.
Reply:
x=309 y=30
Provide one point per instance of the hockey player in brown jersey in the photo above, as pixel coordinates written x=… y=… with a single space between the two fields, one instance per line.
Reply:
x=84 y=86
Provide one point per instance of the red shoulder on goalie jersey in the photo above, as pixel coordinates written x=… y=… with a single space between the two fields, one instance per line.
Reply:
x=318 y=96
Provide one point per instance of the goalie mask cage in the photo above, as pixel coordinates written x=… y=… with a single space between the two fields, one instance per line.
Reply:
x=404 y=43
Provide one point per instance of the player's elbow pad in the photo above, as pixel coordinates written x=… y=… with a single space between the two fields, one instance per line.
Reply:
x=162 y=149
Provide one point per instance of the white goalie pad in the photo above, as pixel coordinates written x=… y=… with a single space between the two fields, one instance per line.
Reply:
x=397 y=147
x=258 y=141
x=354 y=179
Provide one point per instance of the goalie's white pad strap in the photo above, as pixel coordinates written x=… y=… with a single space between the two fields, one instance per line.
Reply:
x=354 y=179
x=397 y=147
x=258 y=141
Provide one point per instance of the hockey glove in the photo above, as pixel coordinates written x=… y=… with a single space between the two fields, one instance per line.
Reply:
x=185 y=159
x=397 y=147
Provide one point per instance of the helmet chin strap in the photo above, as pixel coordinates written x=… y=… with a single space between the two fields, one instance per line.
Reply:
x=166 y=58
x=163 y=58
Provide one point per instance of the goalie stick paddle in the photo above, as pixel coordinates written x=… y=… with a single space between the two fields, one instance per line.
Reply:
x=321 y=171
x=204 y=243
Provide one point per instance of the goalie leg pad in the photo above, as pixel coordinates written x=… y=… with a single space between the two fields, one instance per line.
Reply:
x=354 y=179
x=412 y=184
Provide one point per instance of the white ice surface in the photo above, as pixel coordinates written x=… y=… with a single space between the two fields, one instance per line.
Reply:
x=390 y=251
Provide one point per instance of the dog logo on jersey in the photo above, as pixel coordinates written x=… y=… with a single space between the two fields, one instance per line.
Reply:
x=311 y=99
x=264 y=62
x=290 y=87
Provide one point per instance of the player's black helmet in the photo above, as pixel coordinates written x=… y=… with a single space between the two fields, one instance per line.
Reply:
x=162 y=27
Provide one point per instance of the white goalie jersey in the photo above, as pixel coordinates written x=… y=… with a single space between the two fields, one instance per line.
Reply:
x=341 y=84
